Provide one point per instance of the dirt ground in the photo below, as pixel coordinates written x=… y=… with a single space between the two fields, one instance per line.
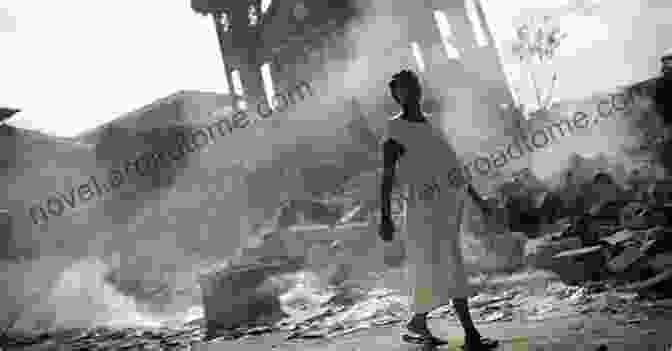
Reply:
x=642 y=325
x=575 y=333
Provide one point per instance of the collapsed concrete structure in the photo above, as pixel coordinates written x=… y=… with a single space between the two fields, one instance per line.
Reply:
x=325 y=43
x=189 y=192
x=206 y=190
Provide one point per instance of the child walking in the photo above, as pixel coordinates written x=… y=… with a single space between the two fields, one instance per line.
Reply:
x=418 y=157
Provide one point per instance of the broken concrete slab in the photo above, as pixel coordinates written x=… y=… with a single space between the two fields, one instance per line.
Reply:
x=574 y=266
x=625 y=259
x=650 y=283
x=657 y=233
x=539 y=252
x=660 y=262
x=494 y=253
x=621 y=237
x=635 y=215
x=234 y=296
x=649 y=246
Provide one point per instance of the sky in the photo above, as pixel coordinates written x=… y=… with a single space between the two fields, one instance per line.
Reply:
x=617 y=43
x=72 y=66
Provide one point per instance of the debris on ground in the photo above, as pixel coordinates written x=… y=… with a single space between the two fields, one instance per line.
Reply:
x=632 y=239
x=614 y=260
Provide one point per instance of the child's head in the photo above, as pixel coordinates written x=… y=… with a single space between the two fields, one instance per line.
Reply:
x=405 y=87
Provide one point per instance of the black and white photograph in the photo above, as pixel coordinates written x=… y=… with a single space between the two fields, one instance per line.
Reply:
x=336 y=175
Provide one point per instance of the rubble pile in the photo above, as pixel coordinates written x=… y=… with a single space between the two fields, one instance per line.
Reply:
x=614 y=259
x=642 y=257
x=626 y=238
x=104 y=338
x=540 y=299
x=350 y=310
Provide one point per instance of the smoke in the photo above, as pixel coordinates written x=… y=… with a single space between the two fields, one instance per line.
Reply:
x=79 y=297
x=136 y=261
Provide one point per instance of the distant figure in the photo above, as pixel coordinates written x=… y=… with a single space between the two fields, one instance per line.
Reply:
x=418 y=157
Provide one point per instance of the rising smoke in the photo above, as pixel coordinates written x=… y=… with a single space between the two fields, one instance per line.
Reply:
x=156 y=235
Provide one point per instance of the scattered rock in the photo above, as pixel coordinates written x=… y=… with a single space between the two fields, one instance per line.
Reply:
x=574 y=266
x=620 y=237
x=539 y=252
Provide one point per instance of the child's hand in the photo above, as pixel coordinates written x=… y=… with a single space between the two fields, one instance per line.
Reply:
x=386 y=230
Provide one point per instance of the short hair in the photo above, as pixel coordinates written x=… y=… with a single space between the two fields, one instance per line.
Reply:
x=406 y=76
x=603 y=177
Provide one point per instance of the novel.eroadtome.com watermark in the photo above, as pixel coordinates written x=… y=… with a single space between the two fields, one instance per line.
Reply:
x=148 y=163
x=528 y=143
x=541 y=138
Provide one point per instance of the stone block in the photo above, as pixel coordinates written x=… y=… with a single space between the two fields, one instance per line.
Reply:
x=574 y=266
x=625 y=259
x=235 y=296
x=494 y=253
x=539 y=252
x=621 y=237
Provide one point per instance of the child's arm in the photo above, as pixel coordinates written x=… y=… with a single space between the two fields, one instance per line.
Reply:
x=480 y=202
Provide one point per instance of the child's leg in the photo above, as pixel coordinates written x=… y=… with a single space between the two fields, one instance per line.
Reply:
x=462 y=309
x=473 y=339
x=418 y=324
x=422 y=300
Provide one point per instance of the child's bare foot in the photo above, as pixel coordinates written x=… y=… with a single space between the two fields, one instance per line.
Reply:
x=418 y=325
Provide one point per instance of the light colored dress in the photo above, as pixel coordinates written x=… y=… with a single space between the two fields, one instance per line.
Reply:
x=436 y=202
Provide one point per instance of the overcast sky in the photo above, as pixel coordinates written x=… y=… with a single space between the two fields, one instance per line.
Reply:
x=74 y=65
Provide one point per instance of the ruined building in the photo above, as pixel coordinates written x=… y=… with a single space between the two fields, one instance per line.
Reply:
x=451 y=47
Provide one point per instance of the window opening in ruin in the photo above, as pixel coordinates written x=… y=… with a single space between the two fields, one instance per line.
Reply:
x=265 y=5
x=241 y=104
x=417 y=53
x=269 y=88
x=224 y=21
x=446 y=33
x=237 y=83
x=300 y=11
x=476 y=23
x=227 y=84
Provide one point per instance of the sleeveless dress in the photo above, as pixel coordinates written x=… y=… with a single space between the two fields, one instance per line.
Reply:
x=436 y=202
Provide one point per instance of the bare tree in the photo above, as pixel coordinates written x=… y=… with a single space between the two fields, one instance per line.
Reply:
x=535 y=47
